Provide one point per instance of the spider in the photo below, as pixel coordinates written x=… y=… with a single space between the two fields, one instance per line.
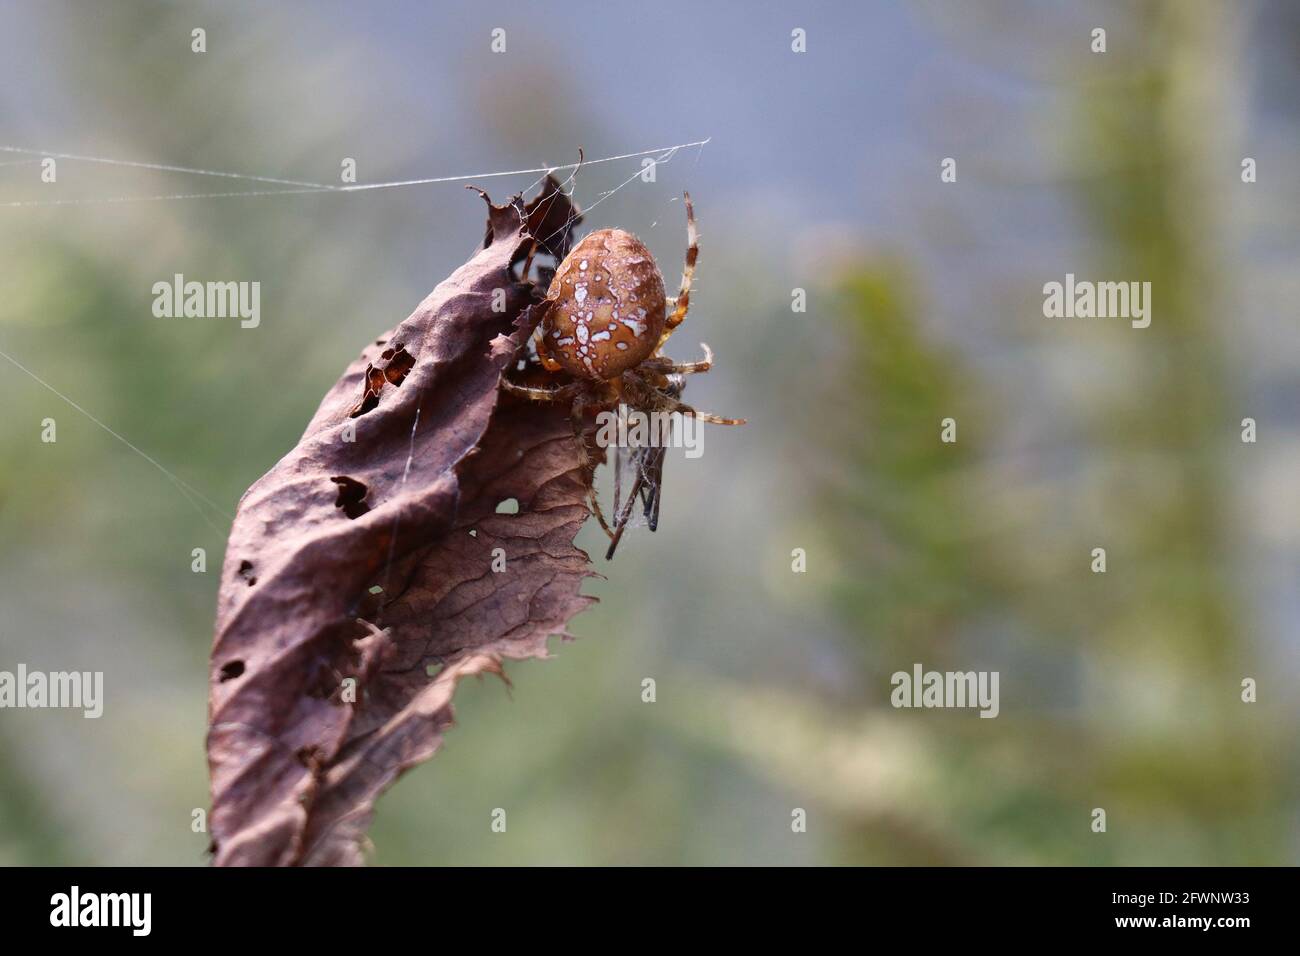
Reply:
x=604 y=322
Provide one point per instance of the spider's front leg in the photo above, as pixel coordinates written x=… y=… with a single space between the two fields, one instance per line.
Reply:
x=677 y=308
x=682 y=304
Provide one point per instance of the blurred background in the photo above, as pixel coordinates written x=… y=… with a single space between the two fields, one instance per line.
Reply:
x=924 y=301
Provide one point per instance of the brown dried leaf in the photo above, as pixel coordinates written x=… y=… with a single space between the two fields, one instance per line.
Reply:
x=296 y=765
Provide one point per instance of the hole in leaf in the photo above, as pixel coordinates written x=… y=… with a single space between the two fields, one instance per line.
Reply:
x=351 y=497
x=400 y=362
x=508 y=506
x=397 y=363
x=369 y=401
x=246 y=572
x=230 y=670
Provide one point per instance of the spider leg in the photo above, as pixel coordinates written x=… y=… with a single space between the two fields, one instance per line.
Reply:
x=666 y=366
x=683 y=301
x=707 y=416
x=575 y=392
x=562 y=394
x=669 y=404
x=543 y=353
x=584 y=459
x=663 y=399
x=528 y=262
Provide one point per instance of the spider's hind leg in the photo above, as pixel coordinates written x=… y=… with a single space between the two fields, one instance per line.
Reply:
x=666 y=366
x=577 y=394
x=667 y=403
x=562 y=394
x=585 y=462
x=706 y=416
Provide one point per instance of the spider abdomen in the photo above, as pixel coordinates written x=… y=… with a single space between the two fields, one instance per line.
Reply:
x=606 y=306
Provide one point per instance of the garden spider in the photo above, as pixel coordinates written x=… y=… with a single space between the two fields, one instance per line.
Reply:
x=604 y=321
